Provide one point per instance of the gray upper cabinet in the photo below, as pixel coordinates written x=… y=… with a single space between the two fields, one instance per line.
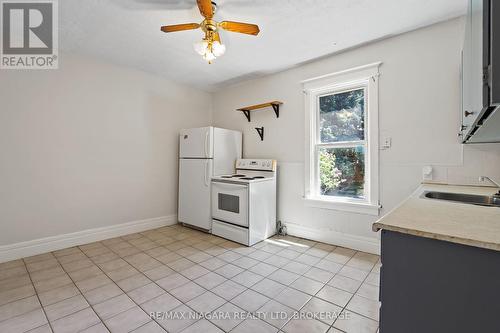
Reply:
x=467 y=67
x=480 y=82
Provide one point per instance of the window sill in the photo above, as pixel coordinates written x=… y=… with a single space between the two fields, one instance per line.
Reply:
x=343 y=205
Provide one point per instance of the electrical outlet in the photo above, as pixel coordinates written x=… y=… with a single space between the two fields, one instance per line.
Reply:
x=386 y=143
x=427 y=172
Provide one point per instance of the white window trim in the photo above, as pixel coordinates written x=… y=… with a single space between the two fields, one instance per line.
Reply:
x=369 y=76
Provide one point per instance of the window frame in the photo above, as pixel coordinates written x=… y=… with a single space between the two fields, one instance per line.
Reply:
x=318 y=144
x=365 y=77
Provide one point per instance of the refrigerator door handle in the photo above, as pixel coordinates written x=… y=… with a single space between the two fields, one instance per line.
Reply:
x=206 y=143
x=206 y=173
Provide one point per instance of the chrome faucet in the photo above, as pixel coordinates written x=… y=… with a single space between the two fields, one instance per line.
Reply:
x=484 y=178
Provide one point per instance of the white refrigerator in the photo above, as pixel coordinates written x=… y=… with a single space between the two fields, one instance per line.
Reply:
x=203 y=152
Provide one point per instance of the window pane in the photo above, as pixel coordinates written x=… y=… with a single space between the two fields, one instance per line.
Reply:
x=341 y=116
x=342 y=172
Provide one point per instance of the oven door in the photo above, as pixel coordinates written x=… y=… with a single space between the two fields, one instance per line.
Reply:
x=230 y=203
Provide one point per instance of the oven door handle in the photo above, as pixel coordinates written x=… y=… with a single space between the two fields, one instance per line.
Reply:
x=228 y=185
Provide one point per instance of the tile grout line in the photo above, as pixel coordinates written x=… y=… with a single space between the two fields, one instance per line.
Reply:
x=115 y=282
x=286 y=286
x=190 y=280
x=248 y=269
x=82 y=293
x=104 y=273
x=31 y=283
x=353 y=293
x=183 y=241
x=183 y=303
x=302 y=275
x=38 y=298
x=152 y=281
x=289 y=286
x=17 y=300
x=270 y=299
x=345 y=307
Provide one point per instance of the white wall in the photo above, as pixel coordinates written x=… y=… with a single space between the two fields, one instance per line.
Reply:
x=93 y=145
x=419 y=109
x=89 y=145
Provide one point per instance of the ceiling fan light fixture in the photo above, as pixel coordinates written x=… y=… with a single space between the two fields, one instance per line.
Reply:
x=201 y=47
x=218 y=48
x=211 y=46
x=209 y=56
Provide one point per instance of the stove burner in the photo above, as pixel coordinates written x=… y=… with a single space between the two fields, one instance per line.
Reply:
x=243 y=177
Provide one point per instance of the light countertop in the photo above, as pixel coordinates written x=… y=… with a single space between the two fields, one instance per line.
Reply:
x=444 y=220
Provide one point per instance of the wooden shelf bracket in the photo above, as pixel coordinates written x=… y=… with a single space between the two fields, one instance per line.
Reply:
x=276 y=108
x=260 y=130
x=247 y=114
x=274 y=104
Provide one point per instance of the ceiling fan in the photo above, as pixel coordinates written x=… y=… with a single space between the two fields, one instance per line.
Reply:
x=211 y=46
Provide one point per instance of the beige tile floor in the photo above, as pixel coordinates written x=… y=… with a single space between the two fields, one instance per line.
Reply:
x=289 y=284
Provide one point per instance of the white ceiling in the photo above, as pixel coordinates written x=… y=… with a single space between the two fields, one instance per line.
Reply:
x=127 y=32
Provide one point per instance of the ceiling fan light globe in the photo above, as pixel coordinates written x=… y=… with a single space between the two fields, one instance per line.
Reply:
x=218 y=49
x=201 y=47
x=209 y=56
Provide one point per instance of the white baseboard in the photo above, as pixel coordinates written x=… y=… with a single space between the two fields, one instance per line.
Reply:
x=360 y=243
x=53 y=243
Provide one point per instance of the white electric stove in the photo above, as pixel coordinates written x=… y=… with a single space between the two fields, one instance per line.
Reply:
x=244 y=204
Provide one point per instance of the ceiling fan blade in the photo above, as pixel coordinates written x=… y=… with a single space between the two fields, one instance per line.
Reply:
x=180 y=27
x=206 y=8
x=243 y=28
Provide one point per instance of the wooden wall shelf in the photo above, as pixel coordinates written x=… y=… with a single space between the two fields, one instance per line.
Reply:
x=274 y=104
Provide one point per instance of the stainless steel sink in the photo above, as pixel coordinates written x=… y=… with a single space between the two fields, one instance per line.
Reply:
x=481 y=200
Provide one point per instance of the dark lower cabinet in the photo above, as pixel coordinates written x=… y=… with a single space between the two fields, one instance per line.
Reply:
x=433 y=286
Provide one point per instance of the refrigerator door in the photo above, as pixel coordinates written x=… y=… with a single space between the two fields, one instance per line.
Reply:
x=227 y=149
x=194 y=192
x=196 y=143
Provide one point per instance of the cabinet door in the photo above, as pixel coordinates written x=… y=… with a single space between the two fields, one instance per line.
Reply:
x=473 y=65
x=467 y=99
x=478 y=51
x=428 y=285
x=495 y=53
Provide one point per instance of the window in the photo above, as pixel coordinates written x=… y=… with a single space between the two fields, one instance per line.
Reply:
x=342 y=132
